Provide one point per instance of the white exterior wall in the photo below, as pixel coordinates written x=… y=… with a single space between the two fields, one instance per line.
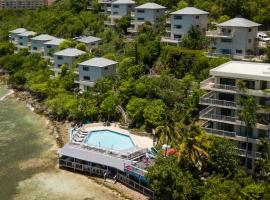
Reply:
x=38 y=45
x=94 y=73
x=151 y=15
x=23 y=41
x=240 y=40
x=66 y=60
x=92 y=45
x=48 y=47
x=186 y=22
x=13 y=37
x=121 y=10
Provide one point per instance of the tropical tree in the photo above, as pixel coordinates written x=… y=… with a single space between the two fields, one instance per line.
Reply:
x=248 y=115
x=192 y=146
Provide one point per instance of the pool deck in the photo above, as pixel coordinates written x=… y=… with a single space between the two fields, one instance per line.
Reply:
x=140 y=141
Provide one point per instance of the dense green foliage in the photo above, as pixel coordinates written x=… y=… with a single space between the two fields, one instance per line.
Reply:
x=157 y=86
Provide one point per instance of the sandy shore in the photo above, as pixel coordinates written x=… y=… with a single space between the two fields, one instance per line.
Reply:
x=60 y=132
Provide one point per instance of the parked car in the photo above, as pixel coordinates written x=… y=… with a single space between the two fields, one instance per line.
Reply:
x=263 y=37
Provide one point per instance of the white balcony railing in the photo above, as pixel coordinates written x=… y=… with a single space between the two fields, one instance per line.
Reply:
x=220 y=132
x=208 y=114
x=216 y=102
x=219 y=34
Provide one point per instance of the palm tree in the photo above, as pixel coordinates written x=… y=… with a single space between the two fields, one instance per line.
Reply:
x=192 y=144
x=166 y=134
x=249 y=115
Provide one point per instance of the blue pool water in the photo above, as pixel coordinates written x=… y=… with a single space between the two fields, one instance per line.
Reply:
x=109 y=140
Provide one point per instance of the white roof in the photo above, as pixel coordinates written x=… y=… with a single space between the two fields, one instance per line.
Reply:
x=243 y=70
x=239 y=22
x=70 y=52
x=43 y=37
x=98 y=62
x=150 y=6
x=190 y=11
x=18 y=30
x=55 y=41
x=27 y=33
x=88 y=39
x=124 y=2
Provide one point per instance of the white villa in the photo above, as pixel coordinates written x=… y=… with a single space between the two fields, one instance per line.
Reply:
x=119 y=9
x=181 y=21
x=13 y=35
x=235 y=37
x=24 y=39
x=150 y=12
x=91 y=42
x=222 y=108
x=91 y=70
x=52 y=46
x=37 y=42
x=65 y=57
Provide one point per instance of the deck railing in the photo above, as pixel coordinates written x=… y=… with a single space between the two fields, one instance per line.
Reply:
x=100 y=172
x=207 y=113
x=220 y=132
x=210 y=101
x=219 y=34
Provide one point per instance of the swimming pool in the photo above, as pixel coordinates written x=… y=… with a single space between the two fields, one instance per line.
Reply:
x=109 y=140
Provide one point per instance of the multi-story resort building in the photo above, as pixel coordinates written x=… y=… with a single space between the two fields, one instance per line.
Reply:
x=150 y=12
x=24 y=39
x=181 y=21
x=110 y=152
x=24 y=4
x=13 y=34
x=235 y=37
x=91 y=70
x=119 y=9
x=37 y=43
x=222 y=114
x=65 y=57
x=52 y=46
x=91 y=42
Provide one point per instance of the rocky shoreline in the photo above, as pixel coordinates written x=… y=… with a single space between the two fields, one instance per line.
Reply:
x=59 y=130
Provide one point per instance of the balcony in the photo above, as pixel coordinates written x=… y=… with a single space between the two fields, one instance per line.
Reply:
x=168 y=40
x=131 y=30
x=208 y=99
x=219 y=34
x=209 y=84
x=219 y=132
x=109 y=23
x=209 y=114
x=168 y=29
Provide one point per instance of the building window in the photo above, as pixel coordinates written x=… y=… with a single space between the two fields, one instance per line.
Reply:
x=59 y=65
x=249 y=40
x=197 y=17
x=140 y=19
x=249 y=84
x=106 y=68
x=115 y=13
x=60 y=57
x=239 y=51
x=140 y=11
x=35 y=48
x=21 y=43
x=21 y=38
x=177 y=26
x=226 y=40
x=177 y=36
x=85 y=68
x=49 y=46
x=116 y=6
x=87 y=78
x=197 y=26
x=129 y=6
x=177 y=17
x=249 y=30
